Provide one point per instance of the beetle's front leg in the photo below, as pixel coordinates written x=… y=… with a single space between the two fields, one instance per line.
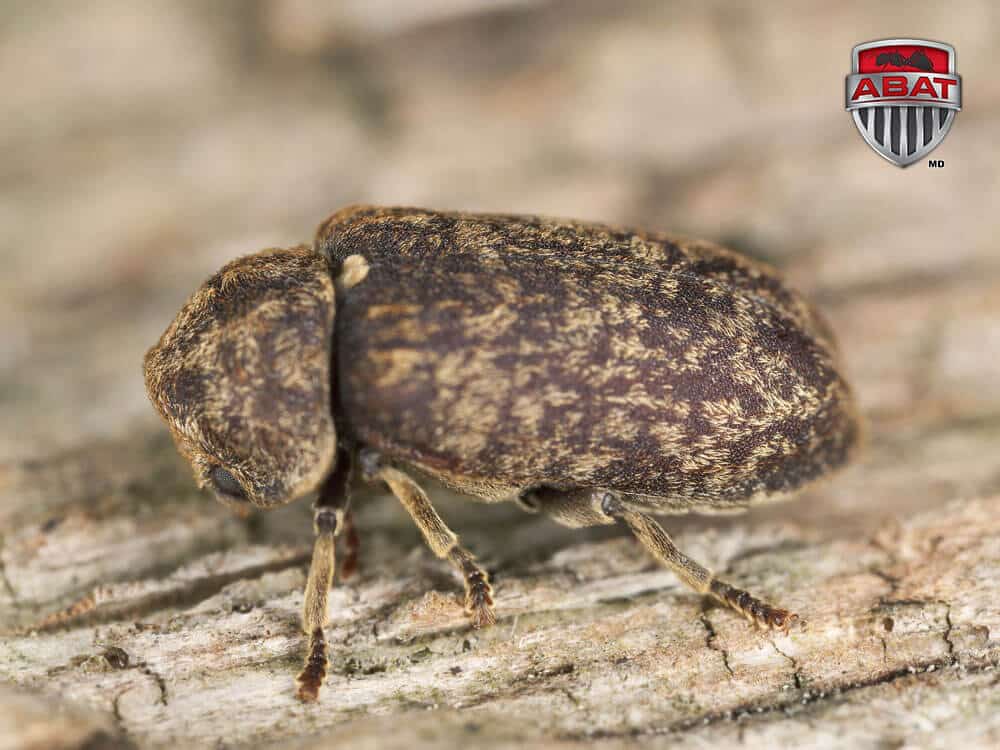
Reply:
x=442 y=540
x=328 y=520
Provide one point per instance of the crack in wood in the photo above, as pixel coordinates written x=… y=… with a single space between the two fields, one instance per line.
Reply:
x=711 y=642
x=796 y=677
x=807 y=698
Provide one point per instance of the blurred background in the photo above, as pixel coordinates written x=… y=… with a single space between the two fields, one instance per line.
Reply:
x=144 y=145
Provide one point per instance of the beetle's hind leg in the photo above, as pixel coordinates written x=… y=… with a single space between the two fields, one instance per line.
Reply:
x=698 y=577
x=589 y=507
x=442 y=540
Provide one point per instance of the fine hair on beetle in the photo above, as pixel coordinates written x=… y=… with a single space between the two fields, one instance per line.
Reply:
x=593 y=374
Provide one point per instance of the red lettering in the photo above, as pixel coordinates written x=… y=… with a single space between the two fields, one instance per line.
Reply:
x=865 y=87
x=945 y=83
x=924 y=86
x=894 y=86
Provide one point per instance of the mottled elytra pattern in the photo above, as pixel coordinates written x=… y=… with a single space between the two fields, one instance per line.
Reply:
x=242 y=375
x=498 y=353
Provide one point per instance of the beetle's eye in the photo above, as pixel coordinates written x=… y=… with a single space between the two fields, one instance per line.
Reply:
x=226 y=483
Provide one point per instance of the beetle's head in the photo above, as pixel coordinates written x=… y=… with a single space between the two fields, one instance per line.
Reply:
x=243 y=378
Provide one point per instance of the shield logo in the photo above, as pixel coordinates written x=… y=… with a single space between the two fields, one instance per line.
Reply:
x=903 y=95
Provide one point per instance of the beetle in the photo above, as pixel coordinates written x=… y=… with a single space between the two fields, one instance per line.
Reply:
x=594 y=374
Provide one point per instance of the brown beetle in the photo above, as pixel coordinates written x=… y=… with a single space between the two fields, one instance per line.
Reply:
x=591 y=373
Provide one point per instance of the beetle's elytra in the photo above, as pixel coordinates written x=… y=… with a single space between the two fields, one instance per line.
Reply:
x=591 y=373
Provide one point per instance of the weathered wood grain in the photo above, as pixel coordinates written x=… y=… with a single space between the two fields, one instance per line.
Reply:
x=594 y=639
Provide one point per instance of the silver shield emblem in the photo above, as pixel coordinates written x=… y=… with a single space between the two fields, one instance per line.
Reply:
x=903 y=95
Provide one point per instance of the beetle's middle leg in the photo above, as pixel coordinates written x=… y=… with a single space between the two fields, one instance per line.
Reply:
x=589 y=507
x=442 y=540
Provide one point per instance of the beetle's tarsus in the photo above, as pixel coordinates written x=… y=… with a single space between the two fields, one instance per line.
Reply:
x=479 y=603
x=311 y=677
x=478 y=592
x=757 y=612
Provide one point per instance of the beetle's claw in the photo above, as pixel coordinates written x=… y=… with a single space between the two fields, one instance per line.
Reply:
x=308 y=691
x=761 y=614
x=483 y=616
x=479 y=600
x=773 y=618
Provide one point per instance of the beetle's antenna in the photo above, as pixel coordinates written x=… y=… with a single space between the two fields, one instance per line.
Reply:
x=328 y=520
